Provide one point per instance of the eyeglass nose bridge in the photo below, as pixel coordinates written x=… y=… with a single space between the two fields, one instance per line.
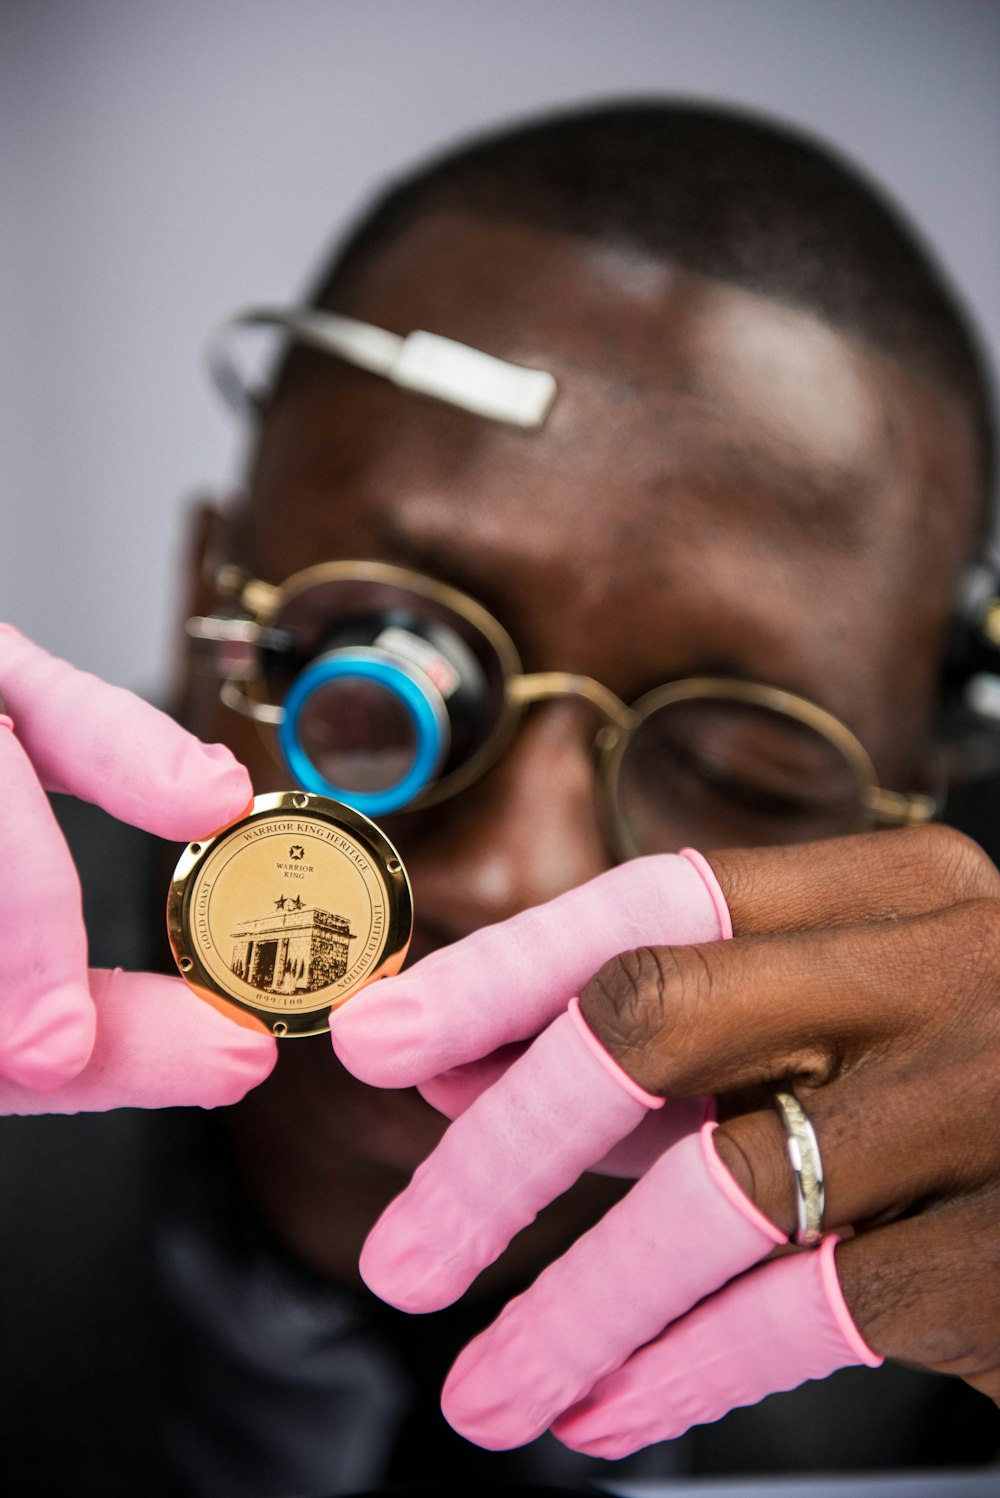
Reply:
x=543 y=686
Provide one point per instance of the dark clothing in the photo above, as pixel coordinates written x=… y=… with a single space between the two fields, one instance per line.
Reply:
x=155 y=1340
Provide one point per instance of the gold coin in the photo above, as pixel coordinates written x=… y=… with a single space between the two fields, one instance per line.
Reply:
x=284 y=914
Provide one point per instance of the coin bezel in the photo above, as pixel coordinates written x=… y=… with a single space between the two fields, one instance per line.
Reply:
x=286 y=1024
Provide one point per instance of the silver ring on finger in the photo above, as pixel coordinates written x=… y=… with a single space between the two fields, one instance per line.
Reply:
x=807 y=1168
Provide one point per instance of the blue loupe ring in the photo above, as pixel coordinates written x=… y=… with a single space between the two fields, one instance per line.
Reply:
x=418 y=696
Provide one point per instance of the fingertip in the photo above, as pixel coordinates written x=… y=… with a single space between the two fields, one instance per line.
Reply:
x=576 y=1428
x=354 y=1058
x=395 y=1266
x=245 y=1058
x=374 y=1036
x=237 y=1075
x=610 y=1424
x=478 y=1409
x=232 y=1059
x=160 y=1045
x=231 y=778
x=449 y=1093
x=372 y=1271
x=49 y=1042
x=607 y=1448
x=210 y=789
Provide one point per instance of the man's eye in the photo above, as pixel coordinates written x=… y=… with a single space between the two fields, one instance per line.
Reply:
x=755 y=786
x=749 y=760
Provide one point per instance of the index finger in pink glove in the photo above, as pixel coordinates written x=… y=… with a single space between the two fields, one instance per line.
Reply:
x=769 y=1330
x=684 y=1230
x=506 y=982
x=157 y=1046
x=107 y=746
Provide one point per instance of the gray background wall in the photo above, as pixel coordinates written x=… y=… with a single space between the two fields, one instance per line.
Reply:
x=164 y=163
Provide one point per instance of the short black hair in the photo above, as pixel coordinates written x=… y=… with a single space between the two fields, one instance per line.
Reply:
x=719 y=191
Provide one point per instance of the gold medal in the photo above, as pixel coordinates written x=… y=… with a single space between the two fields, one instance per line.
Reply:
x=284 y=914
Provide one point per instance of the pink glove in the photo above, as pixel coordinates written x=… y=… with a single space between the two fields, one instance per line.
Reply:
x=105 y=1040
x=763 y=1332
x=683 y=1232
x=453 y=1038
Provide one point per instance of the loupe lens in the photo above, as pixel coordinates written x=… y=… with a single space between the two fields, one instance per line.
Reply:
x=420 y=707
x=365 y=729
x=359 y=735
x=356 y=614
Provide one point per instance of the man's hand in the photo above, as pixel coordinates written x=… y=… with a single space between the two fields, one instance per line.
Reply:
x=73 y=1041
x=865 y=973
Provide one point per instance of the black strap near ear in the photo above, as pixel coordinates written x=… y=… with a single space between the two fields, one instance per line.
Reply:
x=975 y=642
x=970 y=699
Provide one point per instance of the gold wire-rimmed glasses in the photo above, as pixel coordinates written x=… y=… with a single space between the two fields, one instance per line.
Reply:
x=391 y=690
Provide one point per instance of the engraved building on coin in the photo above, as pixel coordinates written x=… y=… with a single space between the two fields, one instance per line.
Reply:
x=295 y=949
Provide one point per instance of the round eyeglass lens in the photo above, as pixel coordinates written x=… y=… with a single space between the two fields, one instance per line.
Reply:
x=717 y=772
x=358 y=734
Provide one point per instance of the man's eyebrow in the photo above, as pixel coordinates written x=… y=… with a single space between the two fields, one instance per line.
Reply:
x=410 y=538
x=788 y=494
x=785 y=680
x=445 y=555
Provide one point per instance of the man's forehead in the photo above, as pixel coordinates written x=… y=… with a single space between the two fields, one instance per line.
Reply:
x=667 y=380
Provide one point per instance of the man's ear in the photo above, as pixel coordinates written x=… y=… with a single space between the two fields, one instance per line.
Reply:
x=208 y=542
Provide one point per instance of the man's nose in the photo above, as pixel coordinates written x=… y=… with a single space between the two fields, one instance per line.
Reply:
x=529 y=830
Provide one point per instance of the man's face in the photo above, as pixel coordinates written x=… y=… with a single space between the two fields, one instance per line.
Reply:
x=725 y=485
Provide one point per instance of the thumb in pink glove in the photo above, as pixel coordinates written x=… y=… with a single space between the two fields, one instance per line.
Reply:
x=156 y=1045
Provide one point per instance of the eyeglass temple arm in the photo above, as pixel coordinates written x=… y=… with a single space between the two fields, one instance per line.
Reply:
x=233 y=696
x=236 y=585
x=898 y=809
x=424 y=362
x=236 y=642
x=541 y=686
x=243 y=637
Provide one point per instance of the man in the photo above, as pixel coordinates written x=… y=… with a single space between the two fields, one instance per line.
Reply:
x=768 y=461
